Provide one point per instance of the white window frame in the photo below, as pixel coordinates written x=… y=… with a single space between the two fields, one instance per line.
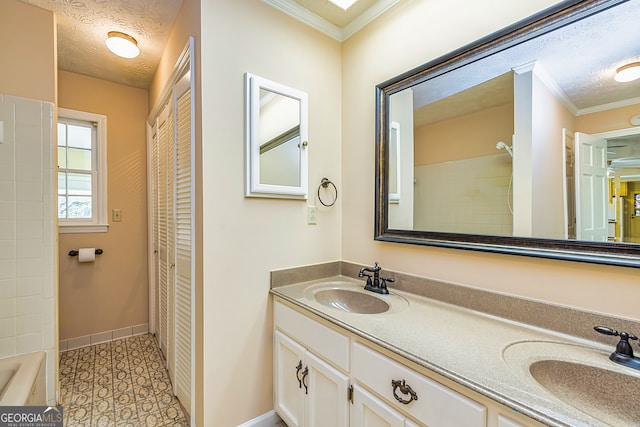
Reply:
x=97 y=224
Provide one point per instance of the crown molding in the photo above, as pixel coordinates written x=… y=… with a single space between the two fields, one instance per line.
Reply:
x=293 y=9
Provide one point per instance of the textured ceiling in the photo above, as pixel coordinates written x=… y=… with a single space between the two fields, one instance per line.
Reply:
x=83 y=26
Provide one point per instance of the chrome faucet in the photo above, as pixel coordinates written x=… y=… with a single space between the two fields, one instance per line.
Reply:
x=378 y=284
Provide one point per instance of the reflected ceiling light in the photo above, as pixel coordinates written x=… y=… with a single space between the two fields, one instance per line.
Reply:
x=628 y=72
x=122 y=44
x=344 y=4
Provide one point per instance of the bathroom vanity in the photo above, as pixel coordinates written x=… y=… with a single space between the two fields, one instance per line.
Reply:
x=424 y=362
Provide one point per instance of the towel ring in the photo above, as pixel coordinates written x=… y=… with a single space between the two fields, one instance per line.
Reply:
x=324 y=183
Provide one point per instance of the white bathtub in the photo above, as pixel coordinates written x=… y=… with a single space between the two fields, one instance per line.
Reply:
x=22 y=380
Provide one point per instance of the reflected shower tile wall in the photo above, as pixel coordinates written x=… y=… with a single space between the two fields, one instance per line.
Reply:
x=27 y=231
x=465 y=196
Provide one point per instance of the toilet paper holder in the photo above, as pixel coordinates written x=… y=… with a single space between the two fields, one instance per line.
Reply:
x=75 y=252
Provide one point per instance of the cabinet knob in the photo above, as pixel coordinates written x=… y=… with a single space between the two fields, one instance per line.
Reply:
x=404 y=389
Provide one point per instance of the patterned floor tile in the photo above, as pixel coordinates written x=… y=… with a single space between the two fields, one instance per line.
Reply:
x=122 y=383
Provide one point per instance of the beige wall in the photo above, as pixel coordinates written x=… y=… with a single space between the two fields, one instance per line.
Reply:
x=110 y=293
x=28 y=51
x=187 y=24
x=245 y=238
x=469 y=136
x=426 y=30
x=606 y=121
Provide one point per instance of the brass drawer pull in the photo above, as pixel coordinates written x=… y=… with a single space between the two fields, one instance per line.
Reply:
x=404 y=389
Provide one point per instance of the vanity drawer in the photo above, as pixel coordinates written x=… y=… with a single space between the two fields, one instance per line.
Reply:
x=321 y=340
x=436 y=406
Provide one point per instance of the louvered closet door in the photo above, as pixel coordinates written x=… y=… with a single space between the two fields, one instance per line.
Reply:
x=171 y=241
x=154 y=221
x=162 y=235
x=184 y=242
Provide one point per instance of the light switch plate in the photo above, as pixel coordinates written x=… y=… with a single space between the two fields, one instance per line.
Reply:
x=311 y=215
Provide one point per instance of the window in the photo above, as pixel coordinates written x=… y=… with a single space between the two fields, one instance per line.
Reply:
x=82 y=172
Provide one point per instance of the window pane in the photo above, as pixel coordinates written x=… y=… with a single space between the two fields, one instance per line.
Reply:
x=62 y=207
x=79 y=136
x=78 y=207
x=62 y=183
x=79 y=184
x=79 y=159
x=62 y=157
x=62 y=134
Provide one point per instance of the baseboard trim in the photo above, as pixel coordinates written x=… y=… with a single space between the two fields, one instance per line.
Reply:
x=269 y=419
x=116 y=334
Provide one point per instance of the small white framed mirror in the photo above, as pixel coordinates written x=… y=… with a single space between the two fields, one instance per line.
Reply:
x=394 y=162
x=276 y=140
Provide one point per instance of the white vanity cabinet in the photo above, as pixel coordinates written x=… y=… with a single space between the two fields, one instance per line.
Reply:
x=324 y=376
x=369 y=411
x=309 y=391
x=406 y=390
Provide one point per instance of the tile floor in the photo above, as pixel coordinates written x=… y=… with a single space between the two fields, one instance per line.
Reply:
x=118 y=383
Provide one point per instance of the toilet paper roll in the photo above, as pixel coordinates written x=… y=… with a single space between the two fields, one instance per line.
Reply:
x=87 y=255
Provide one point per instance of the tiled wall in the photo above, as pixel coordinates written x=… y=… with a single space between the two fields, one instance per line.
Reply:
x=27 y=232
x=464 y=196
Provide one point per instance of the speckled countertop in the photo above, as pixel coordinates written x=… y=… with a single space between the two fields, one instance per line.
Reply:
x=485 y=353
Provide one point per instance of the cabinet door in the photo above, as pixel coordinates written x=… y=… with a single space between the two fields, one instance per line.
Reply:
x=326 y=395
x=369 y=411
x=288 y=367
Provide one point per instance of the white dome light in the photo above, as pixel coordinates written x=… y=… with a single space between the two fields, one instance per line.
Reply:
x=122 y=44
x=628 y=72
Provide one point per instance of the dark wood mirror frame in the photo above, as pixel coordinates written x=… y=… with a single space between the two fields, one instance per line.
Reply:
x=622 y=254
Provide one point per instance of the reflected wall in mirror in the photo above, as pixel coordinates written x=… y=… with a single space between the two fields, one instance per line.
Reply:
x=522 y=142
x=276 y=139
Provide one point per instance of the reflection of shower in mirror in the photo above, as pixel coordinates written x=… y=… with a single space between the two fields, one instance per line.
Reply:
x=502 y=146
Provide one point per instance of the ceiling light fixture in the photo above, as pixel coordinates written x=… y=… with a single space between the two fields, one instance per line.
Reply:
x=343 y=4
x=628 y=72
x=122 y=44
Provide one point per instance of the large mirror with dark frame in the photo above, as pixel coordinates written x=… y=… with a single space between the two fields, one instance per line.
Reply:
x=525 y=142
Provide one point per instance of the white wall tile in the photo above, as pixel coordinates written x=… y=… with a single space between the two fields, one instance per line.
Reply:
x=7 y=308
x=29 y=210
x=8 y=327
x=29 y=267
x=7 y=288
x=28 y=343
x=7 y=249
x=8 y=347
x=30 y=324
x=28 y=305
x=29 y=229
x=27 y=218
x=7 y=228
x=29 y=286
x=7 y=269
x=7 y=210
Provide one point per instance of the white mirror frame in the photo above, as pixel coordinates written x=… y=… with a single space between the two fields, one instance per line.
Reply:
x=254 y=188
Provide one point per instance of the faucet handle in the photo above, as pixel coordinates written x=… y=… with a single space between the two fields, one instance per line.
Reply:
x=623 y=346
